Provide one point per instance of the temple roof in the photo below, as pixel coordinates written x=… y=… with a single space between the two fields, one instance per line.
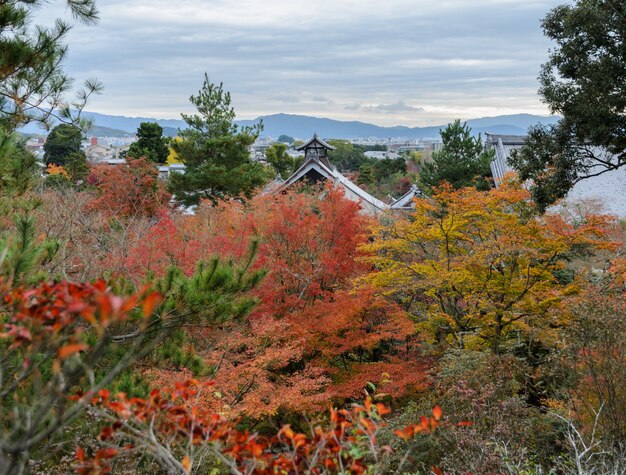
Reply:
x=332 y=175
x=492 y=139
x=313 y=140
x=406 y=200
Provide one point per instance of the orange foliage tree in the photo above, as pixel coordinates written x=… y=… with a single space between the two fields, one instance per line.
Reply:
x=131 y=189
x=53 y=337
x=477 y=267
x=170 y=428
x=310 y=339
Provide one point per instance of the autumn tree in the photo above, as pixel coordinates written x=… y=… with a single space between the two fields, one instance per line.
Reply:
x=462 y=161
x=582 y=81
x=150 y=143
x=129 y=189
x=309 y=340
x=215 y=151
x=596 y=356
x=476 y=268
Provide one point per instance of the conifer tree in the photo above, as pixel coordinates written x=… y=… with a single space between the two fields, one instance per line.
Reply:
x=215 y=151
x=32 y=82
x=150 y=143
x=462 y=161
x=62 y=141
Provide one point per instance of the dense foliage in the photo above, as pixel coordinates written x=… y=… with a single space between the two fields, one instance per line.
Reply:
x=470 y=302
x=477 y=268
x=137 y=336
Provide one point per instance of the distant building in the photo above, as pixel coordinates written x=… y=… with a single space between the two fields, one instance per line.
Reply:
x=381 y=155
x=317 y=168
x=503 y=145
x=35 y=146
x=100 y=153
x=406 y=201
x=165 y=171
x=605 y=192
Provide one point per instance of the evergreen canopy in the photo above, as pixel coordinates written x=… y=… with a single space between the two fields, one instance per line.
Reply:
x=215 y=151
x=32 y=82
x=584 y=81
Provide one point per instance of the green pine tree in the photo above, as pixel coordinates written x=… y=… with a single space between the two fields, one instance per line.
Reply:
x=215 y=151
x=32 y=82
x=62 y=141
x=462 y=161
x=150 y=143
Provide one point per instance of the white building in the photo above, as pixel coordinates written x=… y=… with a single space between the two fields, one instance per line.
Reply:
x=381 y=155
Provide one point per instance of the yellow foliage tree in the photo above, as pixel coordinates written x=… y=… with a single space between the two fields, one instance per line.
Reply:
x=474 y=266
x=172 y=158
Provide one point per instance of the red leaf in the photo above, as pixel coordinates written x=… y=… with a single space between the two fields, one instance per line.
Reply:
x=106 y=453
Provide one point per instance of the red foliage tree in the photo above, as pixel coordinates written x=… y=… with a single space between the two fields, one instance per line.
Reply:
x=54 y=337
x=131 y=189
x=309 y=340
x=170 y=428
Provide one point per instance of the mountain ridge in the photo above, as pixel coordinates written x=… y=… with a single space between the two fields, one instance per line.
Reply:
x=302 y=126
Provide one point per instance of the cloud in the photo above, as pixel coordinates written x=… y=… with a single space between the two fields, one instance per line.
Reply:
x=366 y=60
x=394 y=108
x=321 y=99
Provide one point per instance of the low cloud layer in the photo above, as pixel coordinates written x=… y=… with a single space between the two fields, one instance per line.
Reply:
x=405 y=62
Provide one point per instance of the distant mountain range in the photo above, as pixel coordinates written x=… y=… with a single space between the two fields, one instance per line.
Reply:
x=300 y=126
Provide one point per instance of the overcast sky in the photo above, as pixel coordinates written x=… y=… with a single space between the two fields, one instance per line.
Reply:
x=409 y=62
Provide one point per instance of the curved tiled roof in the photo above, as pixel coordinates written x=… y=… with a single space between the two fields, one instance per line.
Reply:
x=315 y=138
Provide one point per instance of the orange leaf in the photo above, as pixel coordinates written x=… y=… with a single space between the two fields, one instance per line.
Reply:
x=437 y=412
x=286 y=430
x=405 y=434
x=151 y=302
x=186 y=463
x=80 y=454
x=437 y=471
x=68 y=350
